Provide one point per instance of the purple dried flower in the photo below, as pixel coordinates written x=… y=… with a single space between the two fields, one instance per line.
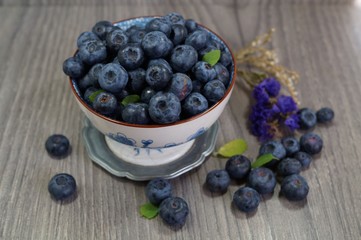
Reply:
x=260 y=94
x=272 y=86
x=292 y=122
x=286 y=104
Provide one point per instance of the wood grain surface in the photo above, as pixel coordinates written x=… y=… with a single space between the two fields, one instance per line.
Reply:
x=322 y=41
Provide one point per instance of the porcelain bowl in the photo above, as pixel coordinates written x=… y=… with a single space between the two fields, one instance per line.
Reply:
x=157 y=136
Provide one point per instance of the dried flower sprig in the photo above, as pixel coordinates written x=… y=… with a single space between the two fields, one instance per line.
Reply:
x=256 y=62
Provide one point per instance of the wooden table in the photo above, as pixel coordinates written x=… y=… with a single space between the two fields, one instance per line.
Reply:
x=319 y=39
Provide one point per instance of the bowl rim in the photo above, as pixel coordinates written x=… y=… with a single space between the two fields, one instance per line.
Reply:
x=229 y=90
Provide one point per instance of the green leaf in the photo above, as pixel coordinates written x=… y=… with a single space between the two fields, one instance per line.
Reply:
x=212 y=57
x=148 y=210
x=94 y=95
x=130 y=99
x=234 y=147
x=263 y=159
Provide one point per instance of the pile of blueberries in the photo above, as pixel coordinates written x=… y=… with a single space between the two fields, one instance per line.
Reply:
x=293 y=156
x=173 y=210
x=160 y=63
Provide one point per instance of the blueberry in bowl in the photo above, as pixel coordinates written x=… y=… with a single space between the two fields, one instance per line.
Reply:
x=151 y=63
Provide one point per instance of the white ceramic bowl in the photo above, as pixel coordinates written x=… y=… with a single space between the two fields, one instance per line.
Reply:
x=157 y=136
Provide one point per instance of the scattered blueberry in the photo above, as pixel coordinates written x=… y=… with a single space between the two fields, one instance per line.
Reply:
x=214 y=90
x=131 y=57
x=289 y=166
x=105 y=103
x=174 y=211
x=238 y=167
x=164 y=108
x=304 y=158
x=136 y=113
x=183 y=58
x=262 y=180
x=218 y=181
x=325 y=115
x=274 y=147
x=113 y=78
x=204 y=72
x=73 y=68
x=157 y=190
x=291 y=145
x=246 y=199
x=181 y=85
x=307 y=118
x=294 y=187
x=62 y=186
x=194 y=104
x=57 y=146
x=311 y=143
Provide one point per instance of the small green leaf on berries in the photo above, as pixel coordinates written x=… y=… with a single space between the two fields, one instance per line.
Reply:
x=94 y=95
x=212 y=57
x=263 y=159
x=149 y=211
x=130 y=99
x=232 y=148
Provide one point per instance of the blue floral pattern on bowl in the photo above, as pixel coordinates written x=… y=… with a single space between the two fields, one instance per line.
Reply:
x=197 y=134
x=120 y=137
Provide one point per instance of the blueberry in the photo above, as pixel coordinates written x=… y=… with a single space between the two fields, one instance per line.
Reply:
x=105 y=103
x=164 y=108
x=311 y=143
x=214 y=90
x=194 y=104
x=159 y=24
x=197 y=39
x=156 y=45
x=174 y=18
x=85 y=82
x=161 y=61
x=238 y=167
x=137 y=36
x=294 y=187
x=102 y=28
x=89 y=91
x=222 y=73
x=157 y=190
x=289 y=166
x=57 y=146
x=131 y=57
x=136 y=80
x=291 y=145
x=218 y=181
x=157 y=76
x=262 y=180
x=246 y=199
x=116 y=39
x=216 y=44
x=73 y=68
x=183 y=58
x=197 y=86
x=113 y=78
x=204 y=72
x=85 y=37
x=94 y=72
x=181 y=85
x=136 y=113
x=191 y=25
x=93 y=52
x=304 y=158
x=226 y=59
x=307 y=118
x=174 y=212
x=325 y=115
x=135 y=28
x=274 y=147
x=147 y=94
x=62 y=186
x=178 y=34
